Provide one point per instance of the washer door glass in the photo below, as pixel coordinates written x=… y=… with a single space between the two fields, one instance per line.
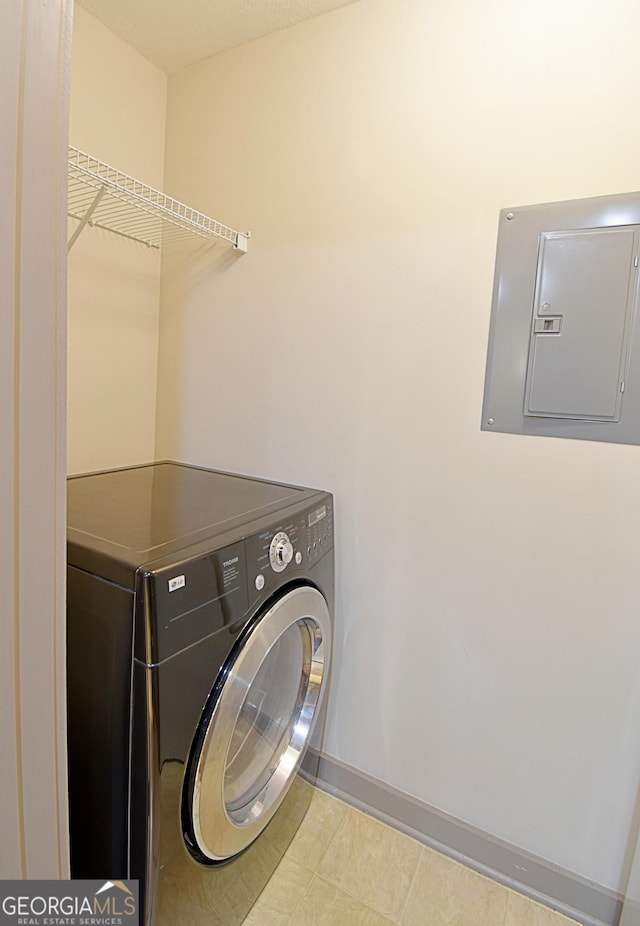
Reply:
x=254 y=734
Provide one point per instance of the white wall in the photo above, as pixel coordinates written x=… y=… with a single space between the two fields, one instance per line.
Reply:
x=487 y=636
x=118 y=104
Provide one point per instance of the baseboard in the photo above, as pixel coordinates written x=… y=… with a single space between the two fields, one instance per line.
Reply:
x=549 y=884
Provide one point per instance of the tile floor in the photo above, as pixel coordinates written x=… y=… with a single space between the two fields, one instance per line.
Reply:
x=344 y=868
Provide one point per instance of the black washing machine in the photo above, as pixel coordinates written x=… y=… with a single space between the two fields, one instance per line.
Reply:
x=200 y=613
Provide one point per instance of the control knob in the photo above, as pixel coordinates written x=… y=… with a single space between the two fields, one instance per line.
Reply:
x=280 y=552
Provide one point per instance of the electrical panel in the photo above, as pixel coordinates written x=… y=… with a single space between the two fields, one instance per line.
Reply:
x=564 y=342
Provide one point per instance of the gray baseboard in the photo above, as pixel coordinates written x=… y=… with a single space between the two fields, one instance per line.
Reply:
x=576 y=897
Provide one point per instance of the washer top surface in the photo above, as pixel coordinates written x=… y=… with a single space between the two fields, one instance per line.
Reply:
x=139 y=514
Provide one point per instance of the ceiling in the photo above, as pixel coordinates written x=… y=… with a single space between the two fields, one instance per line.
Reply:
x=176 y=33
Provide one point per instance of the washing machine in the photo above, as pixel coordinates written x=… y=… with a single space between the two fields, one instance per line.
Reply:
x=200 y=614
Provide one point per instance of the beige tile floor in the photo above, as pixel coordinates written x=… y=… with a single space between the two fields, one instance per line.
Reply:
x=344 y=868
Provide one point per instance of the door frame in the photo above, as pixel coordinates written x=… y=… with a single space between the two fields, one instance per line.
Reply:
x=35 y=47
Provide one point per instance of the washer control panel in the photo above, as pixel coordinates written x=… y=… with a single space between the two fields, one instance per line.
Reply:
x=293 y=544
x=319 y=524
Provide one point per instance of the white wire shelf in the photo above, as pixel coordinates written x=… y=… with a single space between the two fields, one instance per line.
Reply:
x=104 y=197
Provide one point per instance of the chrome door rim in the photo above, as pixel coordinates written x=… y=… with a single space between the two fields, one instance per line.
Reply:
x=218 y=836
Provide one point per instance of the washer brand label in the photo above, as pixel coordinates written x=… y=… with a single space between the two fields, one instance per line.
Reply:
x=69 y=903
x=176 y=583
x=230 y=562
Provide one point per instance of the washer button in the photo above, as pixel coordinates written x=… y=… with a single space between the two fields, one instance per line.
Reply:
x=260 y=582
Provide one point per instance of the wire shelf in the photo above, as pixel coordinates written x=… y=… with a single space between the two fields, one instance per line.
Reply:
x=104 y=197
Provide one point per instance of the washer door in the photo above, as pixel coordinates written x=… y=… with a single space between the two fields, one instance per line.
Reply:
x=256 y=726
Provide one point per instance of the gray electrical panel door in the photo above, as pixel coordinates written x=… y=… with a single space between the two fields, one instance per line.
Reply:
x=582 y=314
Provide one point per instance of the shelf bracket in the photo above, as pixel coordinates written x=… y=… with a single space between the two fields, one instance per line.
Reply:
x=87 y=217
x=242 y=239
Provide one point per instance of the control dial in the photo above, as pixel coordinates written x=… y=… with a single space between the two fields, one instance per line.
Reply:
x=280 y=552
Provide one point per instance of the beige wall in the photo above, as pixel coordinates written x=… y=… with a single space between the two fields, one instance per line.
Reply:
x=34 y=48
x=370 y=151
x=117 y=114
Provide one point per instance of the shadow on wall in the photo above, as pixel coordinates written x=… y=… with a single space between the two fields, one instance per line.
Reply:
x=186 y=265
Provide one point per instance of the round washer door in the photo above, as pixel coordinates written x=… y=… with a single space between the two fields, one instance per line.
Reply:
x=255 y=730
